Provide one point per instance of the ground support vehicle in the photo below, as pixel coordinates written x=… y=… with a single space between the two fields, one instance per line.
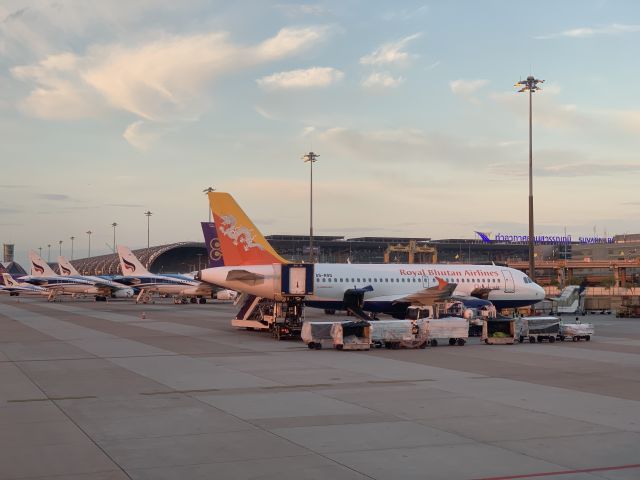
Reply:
x=576 y=331
x=283 y=319
x=630 y=307
x=500 y=331
x=453 y=329
x=395 y=334
x=538 y=329
x=351 y=335
x=317 y=334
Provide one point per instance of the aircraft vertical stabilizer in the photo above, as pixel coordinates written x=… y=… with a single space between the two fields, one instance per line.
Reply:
x=211 y=241
x=129 y=263
x=40 y=268
x=66 y=269
x=9 y=281
x=241 y=242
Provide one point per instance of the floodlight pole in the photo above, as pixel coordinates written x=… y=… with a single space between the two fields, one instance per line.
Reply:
x=530 y=85
x=207 y=191
x=148 y=214
x=72 y=238
x=114 y=225
x=60 y=245
x=89 y=232
x=311 y=158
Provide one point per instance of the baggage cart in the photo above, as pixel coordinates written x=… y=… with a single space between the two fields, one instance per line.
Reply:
x=454 y=329
x=317 y=334
x=500 y=331
x=396 y=334
x=537 y=329
x=576 y=331
x=351 y=335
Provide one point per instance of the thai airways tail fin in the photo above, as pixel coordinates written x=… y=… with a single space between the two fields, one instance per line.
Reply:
x=40 y=268
x=9 y=281
x=66 y=269
x=211 y=241
x=241 y=243
x=129 y=263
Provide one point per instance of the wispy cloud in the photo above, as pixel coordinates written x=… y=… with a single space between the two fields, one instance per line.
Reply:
x=383 y=80
x=405 y=14
x=296 y=10
x=57 y=197
x=300 y=79
x=392 y=53
x=572 y=169
x=585 y=32
x=125 y=205
x=164 y=80
x=466 y=87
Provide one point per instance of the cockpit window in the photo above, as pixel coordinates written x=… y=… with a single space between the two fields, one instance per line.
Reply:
x=527 y=280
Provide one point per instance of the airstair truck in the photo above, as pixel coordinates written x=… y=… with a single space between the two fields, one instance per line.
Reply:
x=284 y=316
x=570 y=301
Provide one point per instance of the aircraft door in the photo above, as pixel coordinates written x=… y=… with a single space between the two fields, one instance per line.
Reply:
x=425 y=281
x=509 y=284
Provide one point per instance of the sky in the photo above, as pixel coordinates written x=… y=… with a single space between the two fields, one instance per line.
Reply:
x=110 y=109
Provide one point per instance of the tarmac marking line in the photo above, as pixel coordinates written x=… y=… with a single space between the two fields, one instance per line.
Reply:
x=564 y=472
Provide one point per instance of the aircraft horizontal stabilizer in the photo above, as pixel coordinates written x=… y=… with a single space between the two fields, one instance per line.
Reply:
x=244 y=276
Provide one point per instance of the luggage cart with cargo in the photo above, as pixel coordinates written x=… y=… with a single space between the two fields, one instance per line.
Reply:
x=351 y=335
x=500 y=331
x=317 y=334
x=538 y=329
x=395 y=334
x=453 y=329
x=575 y=331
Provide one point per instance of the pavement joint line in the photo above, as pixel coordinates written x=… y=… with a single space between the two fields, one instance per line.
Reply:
x=89 y=438
x=52 y=399
x=564 y=472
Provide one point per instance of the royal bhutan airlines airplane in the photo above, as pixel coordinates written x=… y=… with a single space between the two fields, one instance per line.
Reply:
x=252 y=266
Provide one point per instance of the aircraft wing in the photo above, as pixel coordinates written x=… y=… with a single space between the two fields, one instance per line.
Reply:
x=481 y=293
x=426 y=296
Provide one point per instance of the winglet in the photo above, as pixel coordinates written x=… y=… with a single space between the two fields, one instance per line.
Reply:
x=241 y=242
x=129 y=263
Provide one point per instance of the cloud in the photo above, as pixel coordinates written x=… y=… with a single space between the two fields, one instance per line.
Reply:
x=164 y=80
x=405 y=13
x=265 y=113
x=300 y=79
x=54 y=196
x=125 y=205
x=143 y=134
x=382 y=80
x=585 y=32
x=297 y=10
x=9 y=210
x=550 y=164
x=391 y=53
x=409 y=146
x=466 y=88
